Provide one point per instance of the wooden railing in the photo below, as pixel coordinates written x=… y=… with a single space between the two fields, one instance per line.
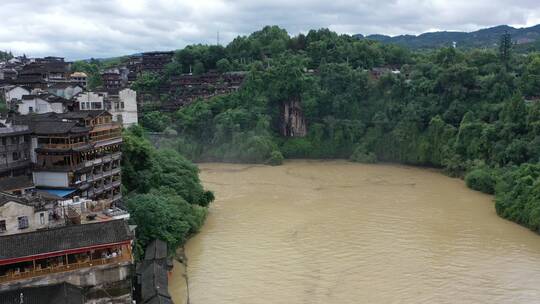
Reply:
x=65 y=145
x=15 y=276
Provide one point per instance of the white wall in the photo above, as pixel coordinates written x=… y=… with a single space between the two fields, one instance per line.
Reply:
x=51 y=179
x=11 y=211
x=57 y=107
x=16 y=93
x=69 y=92
x=33 y=147
x=86 y=99
x=127 y=98
x=39 y=106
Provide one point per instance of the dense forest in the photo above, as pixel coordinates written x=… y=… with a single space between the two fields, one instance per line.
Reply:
x=472 y=113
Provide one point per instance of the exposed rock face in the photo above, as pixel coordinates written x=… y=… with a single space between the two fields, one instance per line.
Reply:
x=293 y=122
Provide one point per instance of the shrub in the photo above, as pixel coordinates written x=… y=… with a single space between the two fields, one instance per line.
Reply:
x=361 y=155
x=483 y=180
x=276 y=158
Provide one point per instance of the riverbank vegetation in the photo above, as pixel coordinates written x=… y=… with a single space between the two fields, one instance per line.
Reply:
x=162 y=191
x=474 y=113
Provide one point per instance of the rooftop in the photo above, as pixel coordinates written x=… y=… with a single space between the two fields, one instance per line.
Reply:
x=156 y=250
x=79 y=74
x=49 y=123
x=31 y=244
x=14 y=183
x=154 y=283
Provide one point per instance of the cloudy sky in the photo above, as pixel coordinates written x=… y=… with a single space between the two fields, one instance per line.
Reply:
x=80 y=29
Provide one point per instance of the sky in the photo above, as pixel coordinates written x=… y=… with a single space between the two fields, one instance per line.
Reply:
x=80 y=29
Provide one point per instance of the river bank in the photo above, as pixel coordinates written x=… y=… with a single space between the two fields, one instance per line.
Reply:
x=179 y=282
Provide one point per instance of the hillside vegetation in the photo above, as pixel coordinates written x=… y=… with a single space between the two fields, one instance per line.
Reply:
x=464 y=112
x=526 y=38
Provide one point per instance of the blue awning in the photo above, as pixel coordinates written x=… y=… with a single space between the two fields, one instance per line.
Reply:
x=58 y=192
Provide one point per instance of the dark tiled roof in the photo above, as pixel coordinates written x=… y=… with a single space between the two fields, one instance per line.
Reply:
x=64 y=85
x=49 y=123
x=63 y=238
x=154 y=282
x=156 y=250
x=17 y=182
x=159 y=300
x=6 y=197
x=56 y=127
x=47 y=97
x=54 y=294
x=84 y=114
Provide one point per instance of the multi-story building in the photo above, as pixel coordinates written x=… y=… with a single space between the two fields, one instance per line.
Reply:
x=79 y=78
x=123 y=107
x=115 y=79
x=76 y=153
x=150 y=62
x=187 y=88
x=90 y=101
x=15 y=158
x=43 y=72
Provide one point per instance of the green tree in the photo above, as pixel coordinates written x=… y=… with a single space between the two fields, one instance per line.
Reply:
x=223 y=65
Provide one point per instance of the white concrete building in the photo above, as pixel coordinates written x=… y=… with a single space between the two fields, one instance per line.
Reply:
x=124 y=107
x=18 y=215
x=11 y=92
x=42 y=103
x=90 y=101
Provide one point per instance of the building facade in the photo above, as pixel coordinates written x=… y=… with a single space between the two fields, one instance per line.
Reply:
x=95 y=256
x=76 y=153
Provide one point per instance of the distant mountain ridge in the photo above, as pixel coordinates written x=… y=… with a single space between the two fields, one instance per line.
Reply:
x=487 y=38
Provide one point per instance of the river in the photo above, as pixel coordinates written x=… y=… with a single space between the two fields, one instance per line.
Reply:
x=330 y=232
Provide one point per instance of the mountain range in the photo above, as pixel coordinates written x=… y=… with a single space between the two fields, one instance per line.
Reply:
x=525 y=39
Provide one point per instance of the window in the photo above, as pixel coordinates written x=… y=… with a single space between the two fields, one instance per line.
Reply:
x=23 y=222
x=42 y=218
x=16 y=156
x=31 y=109
x=3 y=227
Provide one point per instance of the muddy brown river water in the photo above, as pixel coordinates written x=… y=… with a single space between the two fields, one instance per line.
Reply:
x=330 y=232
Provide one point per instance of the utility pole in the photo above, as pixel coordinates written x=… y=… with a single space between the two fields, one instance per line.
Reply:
x=218 y=37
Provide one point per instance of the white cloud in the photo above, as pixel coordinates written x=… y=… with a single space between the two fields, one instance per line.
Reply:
x=103 y=28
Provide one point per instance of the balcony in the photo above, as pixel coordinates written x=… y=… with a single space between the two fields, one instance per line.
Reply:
x=73 y=146
x=36 y=270
x=58 y=167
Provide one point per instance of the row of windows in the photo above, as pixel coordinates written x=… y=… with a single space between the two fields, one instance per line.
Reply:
x=15 y=156
x=90 y=106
